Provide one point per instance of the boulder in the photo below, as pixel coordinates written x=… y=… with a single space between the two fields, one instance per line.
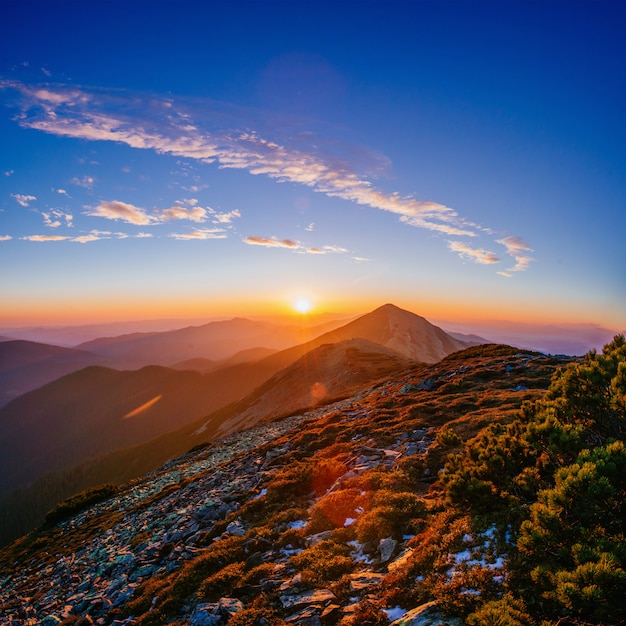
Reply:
x=427 y=615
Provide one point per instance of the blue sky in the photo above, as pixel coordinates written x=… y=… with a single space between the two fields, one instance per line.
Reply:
x=462 y=159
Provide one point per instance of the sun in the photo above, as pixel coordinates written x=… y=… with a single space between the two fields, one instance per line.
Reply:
x=302 y=305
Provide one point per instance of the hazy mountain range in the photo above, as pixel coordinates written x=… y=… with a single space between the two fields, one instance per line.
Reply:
x=95 y=417
x=115 y=407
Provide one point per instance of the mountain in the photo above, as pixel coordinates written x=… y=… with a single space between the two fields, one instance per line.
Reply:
x=329 y=371
x=26 y=365
x=337 y=515
x=82 y=416
x=214 y=341
x=97 y=410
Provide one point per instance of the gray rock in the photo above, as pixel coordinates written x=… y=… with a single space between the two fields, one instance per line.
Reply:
x=313 y=596
x=427 y=615
x=386 y=549
x=236 y=528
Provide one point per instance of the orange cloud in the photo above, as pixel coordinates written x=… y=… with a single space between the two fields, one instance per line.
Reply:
x=272 y=243
x=116 y=210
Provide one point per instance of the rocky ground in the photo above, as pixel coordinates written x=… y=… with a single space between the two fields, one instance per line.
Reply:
x=127 y=560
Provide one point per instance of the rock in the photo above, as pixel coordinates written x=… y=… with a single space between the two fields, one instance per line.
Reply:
x=236 y=528
x=364 y=580
x=206 y=614
x=313 y=596
x=229 y=606
x=311 y=540
x=330 y=614
x=386 y=549
x=427 y=615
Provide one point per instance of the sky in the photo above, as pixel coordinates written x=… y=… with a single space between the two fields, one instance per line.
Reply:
x=464 y=160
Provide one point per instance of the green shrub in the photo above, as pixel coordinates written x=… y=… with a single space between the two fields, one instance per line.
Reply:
x=79 y=502
x=323 y=563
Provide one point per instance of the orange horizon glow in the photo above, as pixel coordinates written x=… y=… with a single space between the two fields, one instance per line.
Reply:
x=285 y=307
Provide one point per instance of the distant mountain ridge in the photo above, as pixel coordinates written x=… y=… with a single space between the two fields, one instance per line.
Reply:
x=214 y=341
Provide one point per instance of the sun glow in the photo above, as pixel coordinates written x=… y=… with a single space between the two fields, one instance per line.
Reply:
x=302 y=305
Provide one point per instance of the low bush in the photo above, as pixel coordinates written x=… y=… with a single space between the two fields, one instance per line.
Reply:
x=81 y=501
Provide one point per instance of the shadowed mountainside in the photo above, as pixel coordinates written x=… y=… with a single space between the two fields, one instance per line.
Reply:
x=26 y=365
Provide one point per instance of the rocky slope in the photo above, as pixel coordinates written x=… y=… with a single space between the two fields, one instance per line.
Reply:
x=312 y=519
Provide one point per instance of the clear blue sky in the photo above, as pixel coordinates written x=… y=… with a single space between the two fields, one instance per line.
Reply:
x=461 y=159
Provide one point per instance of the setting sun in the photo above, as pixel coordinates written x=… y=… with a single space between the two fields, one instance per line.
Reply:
x=302 y=305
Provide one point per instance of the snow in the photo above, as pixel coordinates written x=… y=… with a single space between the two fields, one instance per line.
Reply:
x=349 y=521
x=395 y=613
x=296 y=525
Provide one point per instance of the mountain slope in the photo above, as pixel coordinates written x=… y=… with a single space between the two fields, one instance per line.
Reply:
x=26 y=365
x=333 y=516
x=97 y=410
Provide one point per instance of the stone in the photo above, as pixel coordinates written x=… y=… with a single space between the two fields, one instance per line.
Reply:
x=364 y=580
x=206 y=614
x=236 y=528
x=427 y=615
x=313 y=596
x=386 y=549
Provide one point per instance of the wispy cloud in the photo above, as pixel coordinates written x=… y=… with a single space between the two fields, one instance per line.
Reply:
x=5 y=237
x=63 y=192
x=290 y=244
x=518 y=249
x=22 y=199
x=272 y=242
x=479 y=255
x=87 y=182
x=225 y=218
x=201 y=233
x=9 y=172
x=46 y=238
x=206 y=131
x=53 y=218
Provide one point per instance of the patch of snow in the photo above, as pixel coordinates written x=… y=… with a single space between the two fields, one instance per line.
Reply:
x=349 y=521
x=395 y=613
x=260 y=494
x=297 y=524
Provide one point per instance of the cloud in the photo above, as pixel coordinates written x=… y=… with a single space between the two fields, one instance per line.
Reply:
x=143 y=235
x=207 y=131
x=195 y=214
x=5 y=237
x=46 y=238
x=272 y=242
x=86 y=182
x=164 y=126
x=63 y=192
x=310 y=227
x=49 y=222
x=477 y=255
x=116 y=210
x=9 y=172
x=518 y=249
x=54 y=217
x=88 y=238
x=203 y=233
x=225 y=218
x=22 y=199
